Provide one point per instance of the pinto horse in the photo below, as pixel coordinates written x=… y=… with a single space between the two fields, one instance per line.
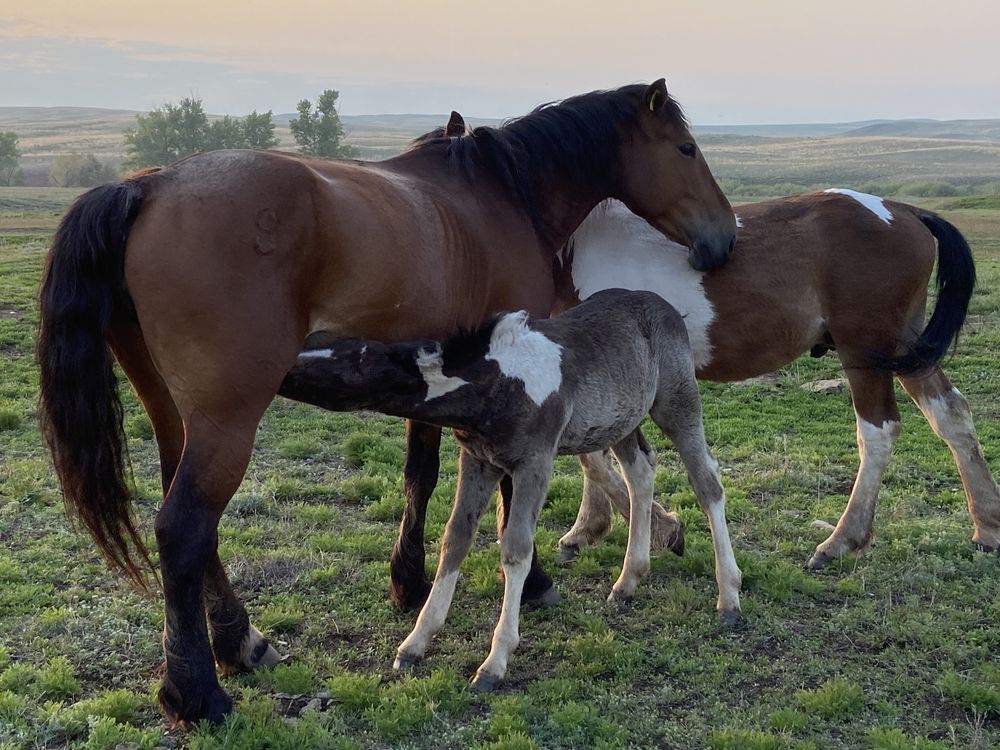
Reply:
x=835 y=270
x=518 y=392
x=169 y=270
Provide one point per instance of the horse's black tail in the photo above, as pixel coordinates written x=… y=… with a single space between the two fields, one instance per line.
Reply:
x=956 y=278
x=80 y=412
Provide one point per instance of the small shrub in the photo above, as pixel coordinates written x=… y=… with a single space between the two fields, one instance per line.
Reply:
x=894 y=739
x=282 y=616
x=10 y=418
x=789 y=720
x=599 y=655
x=365 y=489
x=293 y=678
x=108 y=734
x=19 y=678
x=400 y=715
x=139 y=427
x=836 y=699
x=355 y=692
x=58 y=679
x=746 y=739
x=512 y=741
x=980 y=693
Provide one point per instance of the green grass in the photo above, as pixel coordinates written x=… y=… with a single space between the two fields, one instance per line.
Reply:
x=894 y=650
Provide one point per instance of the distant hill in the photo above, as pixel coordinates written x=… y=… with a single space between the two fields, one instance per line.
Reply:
x=787 y=130
x=951 y=129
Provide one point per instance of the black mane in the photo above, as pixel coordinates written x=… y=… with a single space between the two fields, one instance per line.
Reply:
x=577 y=138
x=469 y=345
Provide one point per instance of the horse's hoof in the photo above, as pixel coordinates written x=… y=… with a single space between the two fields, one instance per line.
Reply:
x=818 y=561
x=405 y=661
x=484 y=682
x=550 y=598
x=986 y=548
x=619 y=599
x=186 y=710
x=732 y=618
x=567 y=553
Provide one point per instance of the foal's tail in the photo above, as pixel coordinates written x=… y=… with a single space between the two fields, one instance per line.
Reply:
x=80 y=412
x=956 y=277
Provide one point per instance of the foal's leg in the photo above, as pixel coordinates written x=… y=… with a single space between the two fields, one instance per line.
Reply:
x=408 y=584
x=602 y=489
x=539 y=590
x=949 y=416
x=531 y=483
x=878 y=428
x=235 y=642
x=679 y=417
x=639 y=464
x=476 y=482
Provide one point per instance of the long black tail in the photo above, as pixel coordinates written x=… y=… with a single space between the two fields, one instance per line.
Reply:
x=956 y=278
x=80 y=412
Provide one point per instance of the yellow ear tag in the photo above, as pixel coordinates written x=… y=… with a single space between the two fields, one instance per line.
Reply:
x=652 y=101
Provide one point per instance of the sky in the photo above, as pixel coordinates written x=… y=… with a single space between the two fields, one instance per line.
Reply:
x=726 y=61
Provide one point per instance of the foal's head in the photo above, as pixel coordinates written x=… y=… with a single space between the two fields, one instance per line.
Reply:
x=665 y=180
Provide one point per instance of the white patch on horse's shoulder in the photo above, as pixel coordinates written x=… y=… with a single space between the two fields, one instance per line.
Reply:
x=739 y=221
x=526 y=355
x=873 y=203
x=316 y=353
x=438 y=384
x=614 y=248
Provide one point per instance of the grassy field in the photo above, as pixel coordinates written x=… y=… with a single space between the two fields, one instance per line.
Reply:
x=895 y=650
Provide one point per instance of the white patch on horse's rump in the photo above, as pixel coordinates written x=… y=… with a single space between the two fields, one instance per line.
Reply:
x=526 y=355
x=873 y=203
x=615 y=248
x=316 y=353
x=438 y=384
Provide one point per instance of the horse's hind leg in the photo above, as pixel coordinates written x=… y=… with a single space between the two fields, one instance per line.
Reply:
x=679 y=417
x=235 y=642
x=949 y=416
x=639 y=464
x=878 y=428
x=476 y=482
x=408 y=584
x=603 y=489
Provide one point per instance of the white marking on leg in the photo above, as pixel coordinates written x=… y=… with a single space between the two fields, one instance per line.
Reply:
x=526 y=355
x=316 y=353
x=432 y=617
x=615 y=248
x=506 y=636
x=639 y=479
x=873 y=203
x=438 y=384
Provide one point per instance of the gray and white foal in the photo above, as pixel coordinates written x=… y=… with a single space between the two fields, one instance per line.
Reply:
x=518 y=392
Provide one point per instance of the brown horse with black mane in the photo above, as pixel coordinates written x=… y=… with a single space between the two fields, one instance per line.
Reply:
x=170 y=270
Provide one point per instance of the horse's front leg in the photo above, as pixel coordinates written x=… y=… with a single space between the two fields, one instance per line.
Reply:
x=476 y=482
x=530 y=485
x=408 y=587
x=639 y=465
x=539 y=590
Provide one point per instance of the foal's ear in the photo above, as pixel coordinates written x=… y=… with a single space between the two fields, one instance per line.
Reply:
x=656 y=95
x=455 y=126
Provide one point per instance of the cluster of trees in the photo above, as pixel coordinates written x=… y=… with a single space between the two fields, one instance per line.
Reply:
x=174 y=131
x=10 y=173
x=81 y=170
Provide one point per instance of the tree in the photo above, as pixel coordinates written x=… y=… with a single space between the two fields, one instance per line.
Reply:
x=173 y=131
x=318 y=132
x=80 y=170
x=10 y=174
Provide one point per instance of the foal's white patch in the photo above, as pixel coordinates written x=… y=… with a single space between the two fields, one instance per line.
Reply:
x=614 y=248
x=873 y=203
x=526 y=355
x=316 y=353
x=438 y=384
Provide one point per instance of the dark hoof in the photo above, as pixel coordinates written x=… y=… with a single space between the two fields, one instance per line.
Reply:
x=409 y=597
x=405 y=662
x=819 y=561
x=484 y=682
x=187 y=710
x=986 y=548
x=567 y=554
x=619 y=599
x=549 y=598
x=732 y=619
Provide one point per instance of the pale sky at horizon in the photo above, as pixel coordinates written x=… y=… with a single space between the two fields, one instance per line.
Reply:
x=727 y=62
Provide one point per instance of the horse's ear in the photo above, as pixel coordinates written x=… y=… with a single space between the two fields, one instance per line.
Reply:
x=455 y=126
x=656 y=95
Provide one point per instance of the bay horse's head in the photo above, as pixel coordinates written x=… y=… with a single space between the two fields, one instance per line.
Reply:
x=665 y=180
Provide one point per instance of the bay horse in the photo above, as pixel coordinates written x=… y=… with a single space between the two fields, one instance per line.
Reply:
x=168 y=270
x=837 y=270
x=518 y=392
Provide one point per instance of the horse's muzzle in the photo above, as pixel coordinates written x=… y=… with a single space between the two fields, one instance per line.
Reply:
x=704 y=256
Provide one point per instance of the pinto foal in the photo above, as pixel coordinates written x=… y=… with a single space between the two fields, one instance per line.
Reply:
x=518 y=392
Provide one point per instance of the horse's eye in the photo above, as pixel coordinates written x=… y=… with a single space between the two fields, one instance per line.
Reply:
x=688 y=149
